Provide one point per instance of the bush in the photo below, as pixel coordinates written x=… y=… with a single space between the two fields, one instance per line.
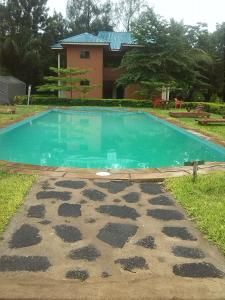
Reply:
x=50 y=100
x=214 y=108
x=198 y=96
x=215 y=98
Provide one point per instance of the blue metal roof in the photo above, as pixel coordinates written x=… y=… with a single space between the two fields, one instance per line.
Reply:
x=113 y=39
x=116 y=39
x=57 y=46
x=84 y=38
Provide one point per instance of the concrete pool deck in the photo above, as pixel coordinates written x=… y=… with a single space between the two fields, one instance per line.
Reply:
x=105 y=239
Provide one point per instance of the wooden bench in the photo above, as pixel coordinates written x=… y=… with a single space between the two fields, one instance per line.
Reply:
x=194 y=114
x=211 y=121
x=8 y=110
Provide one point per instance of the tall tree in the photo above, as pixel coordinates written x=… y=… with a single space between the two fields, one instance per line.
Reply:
x=55 y=30
x=25 y=20
x=88 y=16
x=127 y=11
x=166 y=57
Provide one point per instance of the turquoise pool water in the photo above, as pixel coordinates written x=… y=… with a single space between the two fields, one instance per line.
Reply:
x=103 y=138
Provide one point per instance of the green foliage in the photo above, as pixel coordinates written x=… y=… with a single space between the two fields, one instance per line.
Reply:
x=21 y=43
x=214 y=108
x=205 y=202
x=89 y=16
x=198 y=96
x=66 y=80
x=170 y=54
x=215 y=98
x=50 y=100
x=13 y=189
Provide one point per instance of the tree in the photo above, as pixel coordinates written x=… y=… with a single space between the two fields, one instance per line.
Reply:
x=55 y=30
x=20 y=49
x=27 y=32
x=166 y=56
x=127 y=11
x=66 y=80
x=88 y=16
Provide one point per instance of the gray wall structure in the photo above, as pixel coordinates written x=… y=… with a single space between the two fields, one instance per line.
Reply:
x=9 y=88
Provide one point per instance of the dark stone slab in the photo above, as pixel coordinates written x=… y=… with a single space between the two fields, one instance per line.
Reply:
x=94 y=195
x=151 y=188
x=188 y=252
x=24 y=263
x=77 y=274
x=89 y=253
x=71 y=184
x=161 y=200
x=197 y=270
x=46 y=185
x=25 y=236
x=165 y=215
x=118 y=211
x=45 y=222
x=131 y=263
x=83 y=201
x=90 y=220
x=132 y=197
x=63 y=196
x=179 y=232
x=117 y=200
x=147 y=242
x=116 y=234
x=68 y=234
x=114 y=187
x=36 y=211
x=69 y=210
x=105 y=274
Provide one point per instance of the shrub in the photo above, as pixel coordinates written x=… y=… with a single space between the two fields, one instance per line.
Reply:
x=198 y=96
x=215 y=108
x=50 y=100
x=215 y=98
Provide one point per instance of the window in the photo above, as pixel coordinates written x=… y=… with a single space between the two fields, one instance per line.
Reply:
x=84 y=54
x=85 y=82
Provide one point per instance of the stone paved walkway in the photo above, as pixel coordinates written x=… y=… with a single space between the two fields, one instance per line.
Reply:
x=85 y=239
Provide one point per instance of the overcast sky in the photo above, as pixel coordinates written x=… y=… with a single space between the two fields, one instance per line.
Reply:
x=191 y=11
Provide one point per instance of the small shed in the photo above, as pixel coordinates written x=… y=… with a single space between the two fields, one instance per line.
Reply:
x=9 y=88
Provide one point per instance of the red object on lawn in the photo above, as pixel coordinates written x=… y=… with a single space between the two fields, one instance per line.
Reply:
x=178 y=103
x=157 y=103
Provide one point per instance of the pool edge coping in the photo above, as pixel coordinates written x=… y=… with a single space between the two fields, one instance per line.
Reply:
x=145 y=174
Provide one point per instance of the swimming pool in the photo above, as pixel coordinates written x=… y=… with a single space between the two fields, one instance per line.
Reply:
x=103 y=138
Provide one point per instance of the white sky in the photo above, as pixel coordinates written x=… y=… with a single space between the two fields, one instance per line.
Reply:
x=190 y=11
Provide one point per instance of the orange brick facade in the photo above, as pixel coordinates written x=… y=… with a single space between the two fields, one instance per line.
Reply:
x=102 y=76
x=94 y=63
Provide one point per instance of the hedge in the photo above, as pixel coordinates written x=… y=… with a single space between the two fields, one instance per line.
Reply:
x=211 y=107
x=83 y=102
x=214 y=108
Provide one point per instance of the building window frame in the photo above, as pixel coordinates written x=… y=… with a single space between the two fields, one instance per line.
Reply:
x=84 y=82
x=84 y=54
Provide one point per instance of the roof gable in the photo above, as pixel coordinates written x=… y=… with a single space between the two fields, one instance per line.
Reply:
x=84 y=38
x=116 y=39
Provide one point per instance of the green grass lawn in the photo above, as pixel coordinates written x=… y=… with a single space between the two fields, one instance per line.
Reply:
x=13 y=189
x=217 y=131
x=204 y=201
x=21 y=110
